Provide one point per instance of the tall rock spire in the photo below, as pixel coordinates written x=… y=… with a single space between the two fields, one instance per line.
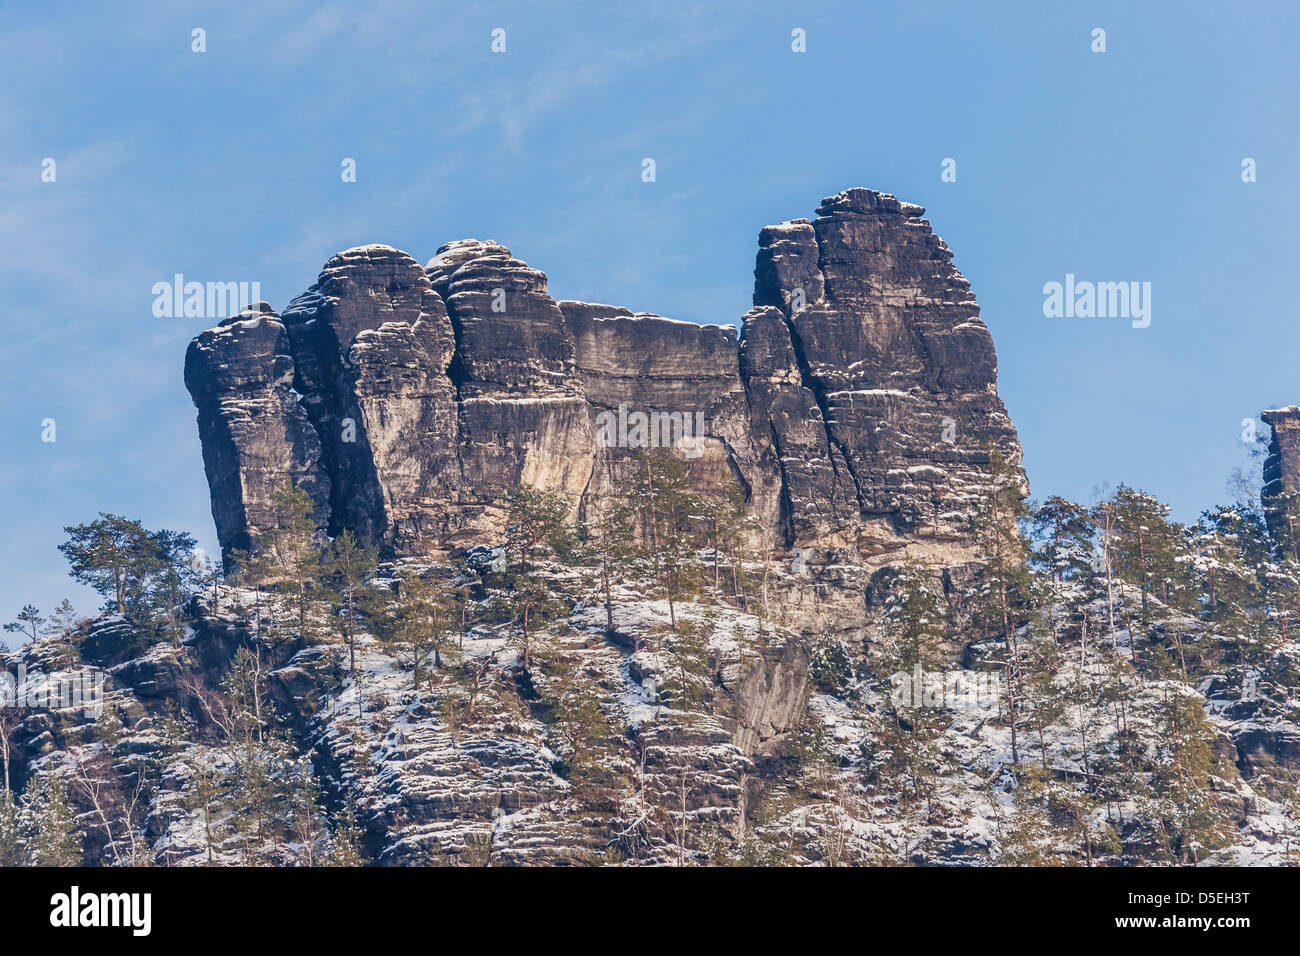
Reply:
x=882 y=350
x=1282 y=471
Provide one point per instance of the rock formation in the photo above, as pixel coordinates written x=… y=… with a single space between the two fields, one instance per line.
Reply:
x=1282 y=470
x=254 y=432
x=856 y=408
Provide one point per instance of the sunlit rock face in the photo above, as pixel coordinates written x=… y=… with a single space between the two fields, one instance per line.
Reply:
x=684 y=381
x=855 y=406
x=884 y=351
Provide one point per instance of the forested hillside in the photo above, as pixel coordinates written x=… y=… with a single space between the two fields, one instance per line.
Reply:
x=637 y=683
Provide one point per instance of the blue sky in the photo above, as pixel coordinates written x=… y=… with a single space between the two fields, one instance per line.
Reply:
x=225 y=166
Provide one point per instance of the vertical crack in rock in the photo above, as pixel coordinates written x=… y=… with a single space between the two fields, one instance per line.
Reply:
x=816 y=504
x=372 y=343
x=788 y=275
x=523 y=414
x=841 y=462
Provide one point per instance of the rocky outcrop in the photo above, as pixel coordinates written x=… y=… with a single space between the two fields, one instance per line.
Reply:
x=855 y=408
x=1282 y=470
x=885 y=334
x=371 y=344
x=432 y=779
x=523 y=416
x=255 y=433
x=685 y=380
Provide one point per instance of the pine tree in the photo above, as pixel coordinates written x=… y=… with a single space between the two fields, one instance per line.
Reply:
x=573 y=697
x=10 y=846
x=291 y=545
x=1054 y=823
x=667 y=507
x=64 y=624
x=1083 y=711
x=609 y=541
x=1003 y=583
x=1182 y=802
x=306 y=815
x=205 y=793
x=830 y=668
x=347 y=838
x=529 y=603
x=420 y=616
x=30 y=623
x=1075 y=811
x=211 y=575
x=261 y=790
x=1064 y=550
x=177 y=575
x=535 y=527
x=1235 y=589
x=473 y=679
x=912 y=626
x=247 y=798
x=115 y=556
x=535 y=530
x=348 y=565
x=1119 y=773
x=254 y=569
x=1146 y=546
x=686 y=677
x=1044 y=700
x=1028 y=839
x=47 y=823
x=724 y=515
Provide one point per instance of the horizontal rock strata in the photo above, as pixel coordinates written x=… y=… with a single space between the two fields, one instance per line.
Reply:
x=855 y=406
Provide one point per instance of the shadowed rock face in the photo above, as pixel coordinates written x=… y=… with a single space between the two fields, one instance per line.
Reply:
x=371 y=342
x=1282 y=466
x=254 y=432
x=886 y=340
x=855 y=408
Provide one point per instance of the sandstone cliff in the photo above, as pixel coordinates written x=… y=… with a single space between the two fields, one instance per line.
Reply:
x=856 y=405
